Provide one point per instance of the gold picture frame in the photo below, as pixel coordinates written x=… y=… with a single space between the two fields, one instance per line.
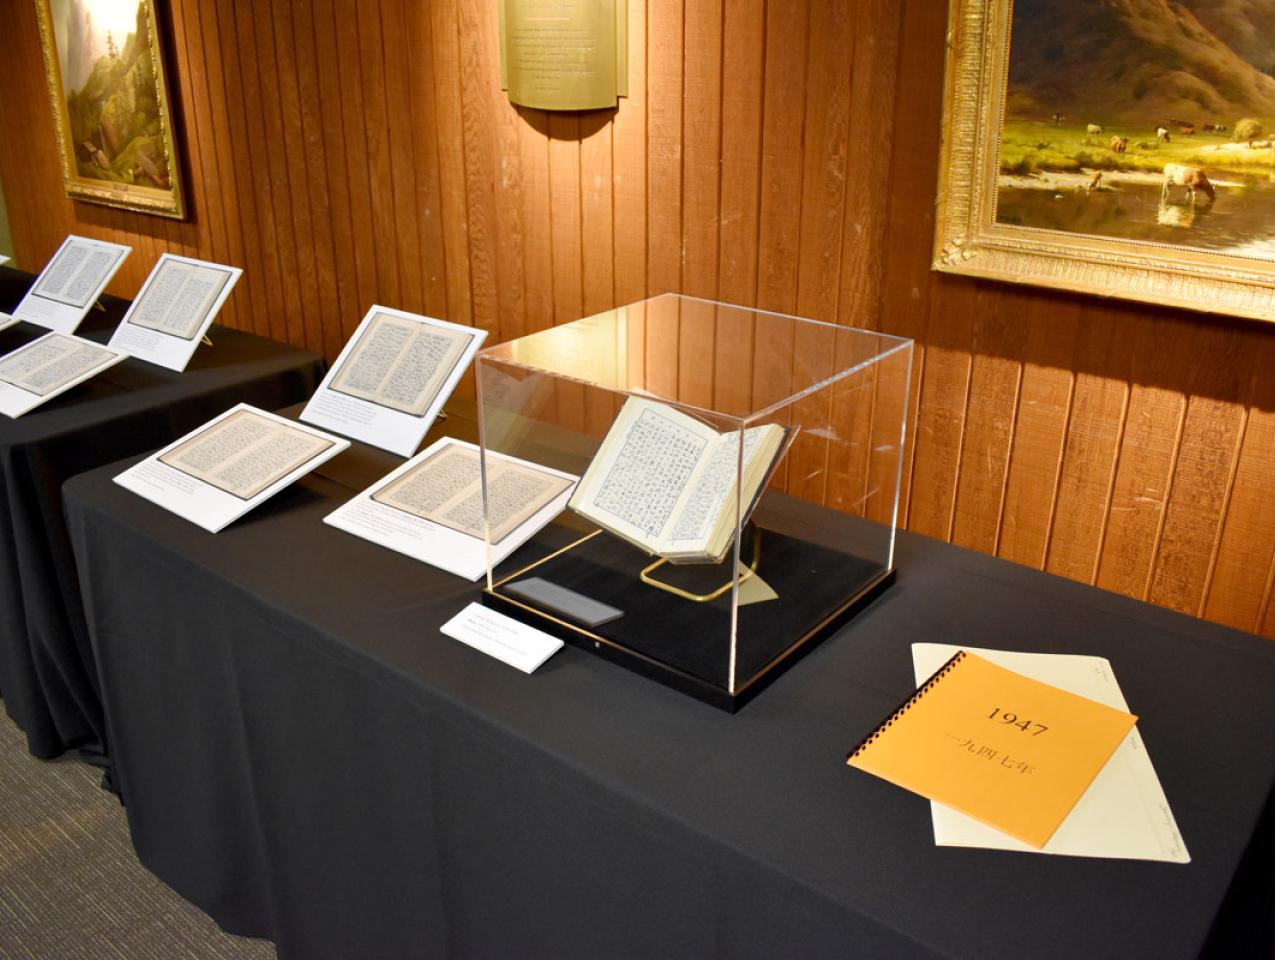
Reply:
x=104 y=63
x=992 y=144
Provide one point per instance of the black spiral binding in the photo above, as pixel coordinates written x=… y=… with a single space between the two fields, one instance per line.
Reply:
x=906 y=705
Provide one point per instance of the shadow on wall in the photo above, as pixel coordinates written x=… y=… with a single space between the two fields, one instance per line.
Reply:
x=1198 y=354
x=574 y=125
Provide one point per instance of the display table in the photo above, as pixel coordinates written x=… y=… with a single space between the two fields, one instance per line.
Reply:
x=307 y=759
x=47 y=674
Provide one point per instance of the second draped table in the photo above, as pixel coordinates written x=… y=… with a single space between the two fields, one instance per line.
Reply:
x=48 y=678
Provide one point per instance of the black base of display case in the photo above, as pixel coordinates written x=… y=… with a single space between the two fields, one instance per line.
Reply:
x=685 y=644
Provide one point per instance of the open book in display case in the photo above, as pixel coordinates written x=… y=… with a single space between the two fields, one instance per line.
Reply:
x=738 y=493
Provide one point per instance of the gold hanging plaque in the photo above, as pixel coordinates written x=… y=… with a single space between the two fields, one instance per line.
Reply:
x=564 y=54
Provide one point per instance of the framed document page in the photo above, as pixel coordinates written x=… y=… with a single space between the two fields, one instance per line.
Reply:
x=431 y=508
x=174 y=310
x=217 y=473
x=53 y=364
x=392 y=379
x=70 y=283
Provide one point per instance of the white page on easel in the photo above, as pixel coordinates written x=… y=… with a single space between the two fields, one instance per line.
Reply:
x=1123 y=815
x=70 y=283
x=229 y=466
x=174 y=309
x=443 y=481
x=47 y=367
x=392 y=378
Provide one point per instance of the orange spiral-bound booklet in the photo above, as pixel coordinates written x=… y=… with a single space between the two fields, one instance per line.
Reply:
x=1002 y=748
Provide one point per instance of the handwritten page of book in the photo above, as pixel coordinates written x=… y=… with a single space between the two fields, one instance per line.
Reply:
x=393 y=377
x=174 y=309
x=43 y=369
x=1124 y=814
x=70 y=283
x=245 y=453
x=1002 y=748
x=217 y=473
x=664 y=481
x=431 y=508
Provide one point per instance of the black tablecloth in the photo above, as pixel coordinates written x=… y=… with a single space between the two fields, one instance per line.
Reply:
x=47 y=675
x=304 y=756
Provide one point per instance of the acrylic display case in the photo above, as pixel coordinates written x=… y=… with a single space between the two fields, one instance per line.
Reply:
x=740 y=481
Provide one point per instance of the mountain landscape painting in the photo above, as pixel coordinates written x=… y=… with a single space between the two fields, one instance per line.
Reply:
x=1142 y=120
x=108 y=94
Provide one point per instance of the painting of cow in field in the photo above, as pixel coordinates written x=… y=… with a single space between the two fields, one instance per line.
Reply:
x=1142 y=120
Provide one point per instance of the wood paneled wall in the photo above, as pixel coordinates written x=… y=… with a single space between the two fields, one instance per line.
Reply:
x=774 y=153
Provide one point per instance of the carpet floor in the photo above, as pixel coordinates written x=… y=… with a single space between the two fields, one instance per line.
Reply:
x=70 y=885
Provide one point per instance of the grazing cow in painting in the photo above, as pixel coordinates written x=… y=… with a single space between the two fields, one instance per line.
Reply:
x=1161 y=134
x=1057 y=118
x=1187 y=130
x=1119 y=144
x=1093 y=130
x=1193 y=178
x=1214 y=128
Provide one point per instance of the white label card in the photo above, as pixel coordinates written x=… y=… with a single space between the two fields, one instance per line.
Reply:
x=70 y=283
x=232 y=464
x=173 y=310
x=502 y=637
x=392 y=378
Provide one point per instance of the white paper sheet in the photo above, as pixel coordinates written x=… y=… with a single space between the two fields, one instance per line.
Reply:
x=433 y=543
x=160 y=347
x=1123 y=815
x=70 y=283
x=202 y=503
x=376 y=424
x=502 y=637
x=15 y=401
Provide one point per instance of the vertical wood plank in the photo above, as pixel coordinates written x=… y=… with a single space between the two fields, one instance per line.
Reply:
x=991 y=422
x=253 y=208
x=334 y=300
x=506 y=164
x=743 y=69
x=305 y=317
x=1148 y=455
x=702 y=144
x=628 y=135
x=597 y=219
x=1204 y=472
x=906 y=282
x=1091 y=449
x=354 y=297
x=664 y=146
x=779 y=230
x=478 y=122
x=1237 y=590
x=451 y=162
x=428 y=201
x=401 y=125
